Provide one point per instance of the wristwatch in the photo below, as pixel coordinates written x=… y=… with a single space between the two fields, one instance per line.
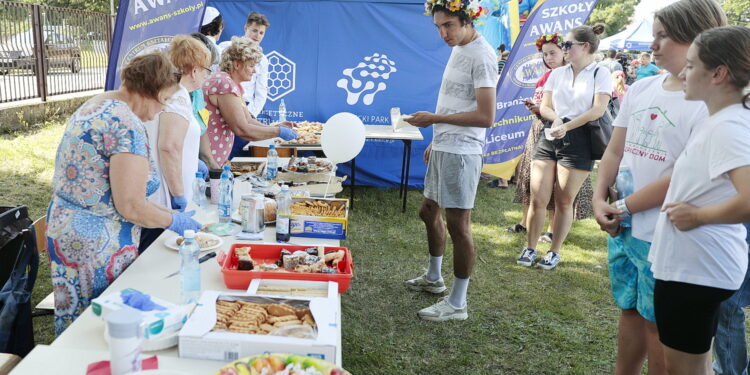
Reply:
x=620 y=204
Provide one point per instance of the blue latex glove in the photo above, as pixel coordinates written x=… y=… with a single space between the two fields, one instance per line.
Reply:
x=202 y=168
x=182 y=221
x=179 y=203
x=140 y=301
x=287 y=134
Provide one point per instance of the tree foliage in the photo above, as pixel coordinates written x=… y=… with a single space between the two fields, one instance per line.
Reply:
x=616 y=14
x=101 y=6
x=738 y=12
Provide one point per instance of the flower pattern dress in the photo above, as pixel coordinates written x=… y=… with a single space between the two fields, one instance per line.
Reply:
x=90 y=244
x=220 y=135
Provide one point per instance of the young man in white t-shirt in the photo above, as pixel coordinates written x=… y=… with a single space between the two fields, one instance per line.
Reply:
x=465 y=108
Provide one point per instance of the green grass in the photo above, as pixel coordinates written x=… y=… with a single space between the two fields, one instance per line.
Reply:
x=521 y=321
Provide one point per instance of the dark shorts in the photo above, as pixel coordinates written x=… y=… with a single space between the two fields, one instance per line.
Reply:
x=687 y=314
x=572 y=151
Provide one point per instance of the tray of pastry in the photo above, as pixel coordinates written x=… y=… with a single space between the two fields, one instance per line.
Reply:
x=245 y=167
x=308 y=134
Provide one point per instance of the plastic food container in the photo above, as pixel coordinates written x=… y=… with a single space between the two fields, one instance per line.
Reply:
x=264 y=253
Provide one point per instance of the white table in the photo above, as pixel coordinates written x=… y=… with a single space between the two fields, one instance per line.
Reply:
x=147 y=274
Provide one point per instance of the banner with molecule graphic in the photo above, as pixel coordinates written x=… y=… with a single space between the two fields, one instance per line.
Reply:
x=357 y=56
x=506 y=139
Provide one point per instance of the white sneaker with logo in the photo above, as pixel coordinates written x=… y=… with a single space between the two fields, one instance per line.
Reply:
x=442 y=311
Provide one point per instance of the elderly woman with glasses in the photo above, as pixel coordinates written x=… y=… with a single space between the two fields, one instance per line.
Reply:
x=229 y=115
x=174 y=135
x=102 y=178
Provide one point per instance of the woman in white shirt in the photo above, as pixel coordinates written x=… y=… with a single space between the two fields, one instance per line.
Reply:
x=574 y=95
x=174 y=135
x=699 y=254
x=650 y=132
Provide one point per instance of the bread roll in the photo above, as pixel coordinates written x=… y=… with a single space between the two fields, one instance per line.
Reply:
x=270 y=204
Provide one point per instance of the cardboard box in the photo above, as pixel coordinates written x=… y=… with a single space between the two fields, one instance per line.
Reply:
x=196 y=340
x=156 y=323
x=320 y=226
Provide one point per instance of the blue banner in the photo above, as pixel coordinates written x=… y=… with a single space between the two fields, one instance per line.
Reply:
x=507 y=137
x=362 y=57
x=143 y=26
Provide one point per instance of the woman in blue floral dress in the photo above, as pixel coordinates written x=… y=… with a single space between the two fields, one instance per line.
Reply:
x=102 y=178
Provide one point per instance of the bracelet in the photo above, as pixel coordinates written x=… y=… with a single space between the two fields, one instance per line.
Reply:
x=620 y=204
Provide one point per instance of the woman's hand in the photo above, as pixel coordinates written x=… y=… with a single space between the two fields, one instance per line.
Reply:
x=531 y=106
x=288 y=124
x=607 y=216
x=558 y=129
x=287 y=134
x=682 y=215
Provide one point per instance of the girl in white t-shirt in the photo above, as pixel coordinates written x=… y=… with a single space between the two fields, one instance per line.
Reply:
x=574 y=95
x=699 y=254
x=174 y=135
x=650 y=132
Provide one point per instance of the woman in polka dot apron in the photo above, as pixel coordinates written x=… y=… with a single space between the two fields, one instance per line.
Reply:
x=228 y=114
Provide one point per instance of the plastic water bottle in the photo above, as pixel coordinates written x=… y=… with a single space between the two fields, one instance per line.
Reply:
x=190 y=270
x=625 y=187
x=272 y=162
x=283 y=214
x=225 y=196
x=199 y=190
x=282 y=111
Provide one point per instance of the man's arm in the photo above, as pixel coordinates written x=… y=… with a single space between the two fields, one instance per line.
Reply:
x=482 y=117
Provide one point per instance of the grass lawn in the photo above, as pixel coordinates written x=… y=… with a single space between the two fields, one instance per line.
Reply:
x=521 y=321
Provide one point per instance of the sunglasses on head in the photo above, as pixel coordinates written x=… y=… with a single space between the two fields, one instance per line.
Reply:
x=569 y=44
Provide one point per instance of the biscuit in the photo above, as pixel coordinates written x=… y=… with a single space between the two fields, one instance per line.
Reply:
x=280 y=309
x=285 y=318
x=294 y=322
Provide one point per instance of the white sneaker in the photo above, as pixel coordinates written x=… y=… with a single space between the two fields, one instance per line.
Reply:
x=442 y=311
x=422 y=284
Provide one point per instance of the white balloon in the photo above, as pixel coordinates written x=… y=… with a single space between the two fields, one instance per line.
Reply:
x=343 y=137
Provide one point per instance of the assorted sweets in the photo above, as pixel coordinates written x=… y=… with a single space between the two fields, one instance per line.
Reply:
x=310 y=260
x=244 y=167
x=308 y=133
x=309 y=165
x=281 y=364
x=261 y=319
x=319 y=208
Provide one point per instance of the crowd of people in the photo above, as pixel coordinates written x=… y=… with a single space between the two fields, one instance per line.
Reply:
x=124 y=168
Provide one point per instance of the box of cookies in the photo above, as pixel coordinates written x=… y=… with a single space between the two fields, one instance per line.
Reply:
x=227 y=326
x=319 y=217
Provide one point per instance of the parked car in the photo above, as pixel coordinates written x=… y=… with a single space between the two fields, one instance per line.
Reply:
x=61 y=51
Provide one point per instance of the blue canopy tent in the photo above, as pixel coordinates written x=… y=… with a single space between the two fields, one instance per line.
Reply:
x=636 y=37
x=326 y=57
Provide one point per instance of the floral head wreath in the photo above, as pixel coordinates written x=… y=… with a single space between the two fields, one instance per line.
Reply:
x=470 y=7
x=549 y=38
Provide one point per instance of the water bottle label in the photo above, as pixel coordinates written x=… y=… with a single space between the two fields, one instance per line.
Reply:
x=224 y=210
x=282 y=225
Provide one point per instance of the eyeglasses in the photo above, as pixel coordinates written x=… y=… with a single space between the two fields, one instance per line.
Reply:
x=207 y=69
x=569 y=44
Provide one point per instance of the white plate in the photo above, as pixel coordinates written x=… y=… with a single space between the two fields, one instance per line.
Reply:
x=171 y=242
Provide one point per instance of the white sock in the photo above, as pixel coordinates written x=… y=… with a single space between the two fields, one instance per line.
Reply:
x=433 y=271
x=457 y=298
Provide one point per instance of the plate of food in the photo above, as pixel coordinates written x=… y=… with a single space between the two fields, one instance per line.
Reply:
x=252 y=167
x=206 y=241
x=310 y=164
x=277 y=364
x=308 y=134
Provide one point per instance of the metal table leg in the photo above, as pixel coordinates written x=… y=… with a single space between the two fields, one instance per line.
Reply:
x=351 y=184
x=403 y=166
x=407 y=147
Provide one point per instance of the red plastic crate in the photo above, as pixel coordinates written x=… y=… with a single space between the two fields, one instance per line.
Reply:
x=236 y=279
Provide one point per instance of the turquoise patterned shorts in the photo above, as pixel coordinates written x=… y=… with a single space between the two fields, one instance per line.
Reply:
x=630 y=273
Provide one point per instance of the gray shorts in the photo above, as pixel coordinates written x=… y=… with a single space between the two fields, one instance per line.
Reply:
x=452 y=179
